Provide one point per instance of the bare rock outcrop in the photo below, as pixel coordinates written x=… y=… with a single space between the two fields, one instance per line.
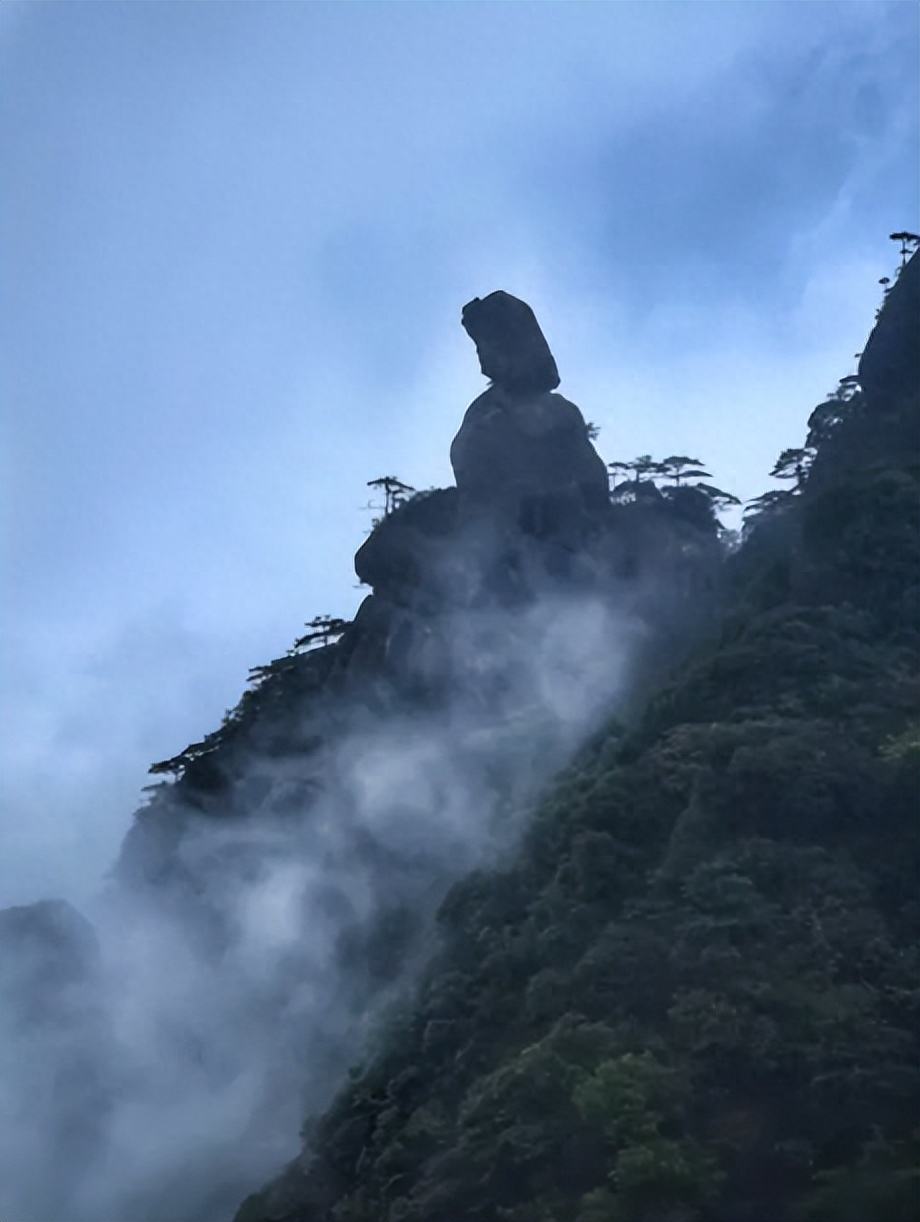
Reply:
x=521 y=446
x=511 y=348
x=511 y=448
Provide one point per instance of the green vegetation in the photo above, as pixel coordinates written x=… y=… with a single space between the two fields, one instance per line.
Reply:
x=694 y=993
x=277 y=688
x=395 y=493
x=697 y=503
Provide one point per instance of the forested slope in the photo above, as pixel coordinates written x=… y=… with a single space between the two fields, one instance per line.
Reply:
x=693 y=995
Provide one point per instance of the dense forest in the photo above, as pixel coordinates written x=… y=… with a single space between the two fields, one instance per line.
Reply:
x=691 y=994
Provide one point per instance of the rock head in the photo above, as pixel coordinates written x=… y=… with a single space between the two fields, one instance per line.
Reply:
x=512 y=349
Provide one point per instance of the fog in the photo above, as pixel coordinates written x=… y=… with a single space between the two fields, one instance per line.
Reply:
x=164 y=1073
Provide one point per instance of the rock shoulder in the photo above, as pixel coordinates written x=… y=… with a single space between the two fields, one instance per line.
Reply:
x=510 y=446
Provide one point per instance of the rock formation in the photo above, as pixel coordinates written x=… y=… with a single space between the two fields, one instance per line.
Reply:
x=531 y=490
x=882 y=412
x=510 y=447
x=511 y=348
x=519 y=443
x=890 y=364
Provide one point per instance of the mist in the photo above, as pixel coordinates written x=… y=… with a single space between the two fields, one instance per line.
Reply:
x=274 y=903
x=198 y=1019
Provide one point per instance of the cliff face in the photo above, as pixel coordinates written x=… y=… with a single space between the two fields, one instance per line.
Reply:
x=692 y=992
x=889 y=368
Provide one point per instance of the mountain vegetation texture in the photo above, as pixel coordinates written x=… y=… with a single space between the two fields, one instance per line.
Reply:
x=691 y=993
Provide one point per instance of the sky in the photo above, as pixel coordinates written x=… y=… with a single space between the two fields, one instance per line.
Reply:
x=235 y=240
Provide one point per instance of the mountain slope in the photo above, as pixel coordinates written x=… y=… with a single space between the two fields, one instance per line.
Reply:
x=693 y=995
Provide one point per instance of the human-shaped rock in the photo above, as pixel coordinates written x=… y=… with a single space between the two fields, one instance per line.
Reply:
x=519 y=441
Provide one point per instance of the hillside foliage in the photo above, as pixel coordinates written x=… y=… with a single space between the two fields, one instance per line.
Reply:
x=693 y=996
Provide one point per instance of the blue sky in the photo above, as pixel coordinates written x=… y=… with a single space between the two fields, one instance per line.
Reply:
x=236 y=238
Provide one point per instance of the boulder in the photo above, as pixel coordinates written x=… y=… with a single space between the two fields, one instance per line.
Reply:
x=402 y=552
x=511 y=450
x=511 y=347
